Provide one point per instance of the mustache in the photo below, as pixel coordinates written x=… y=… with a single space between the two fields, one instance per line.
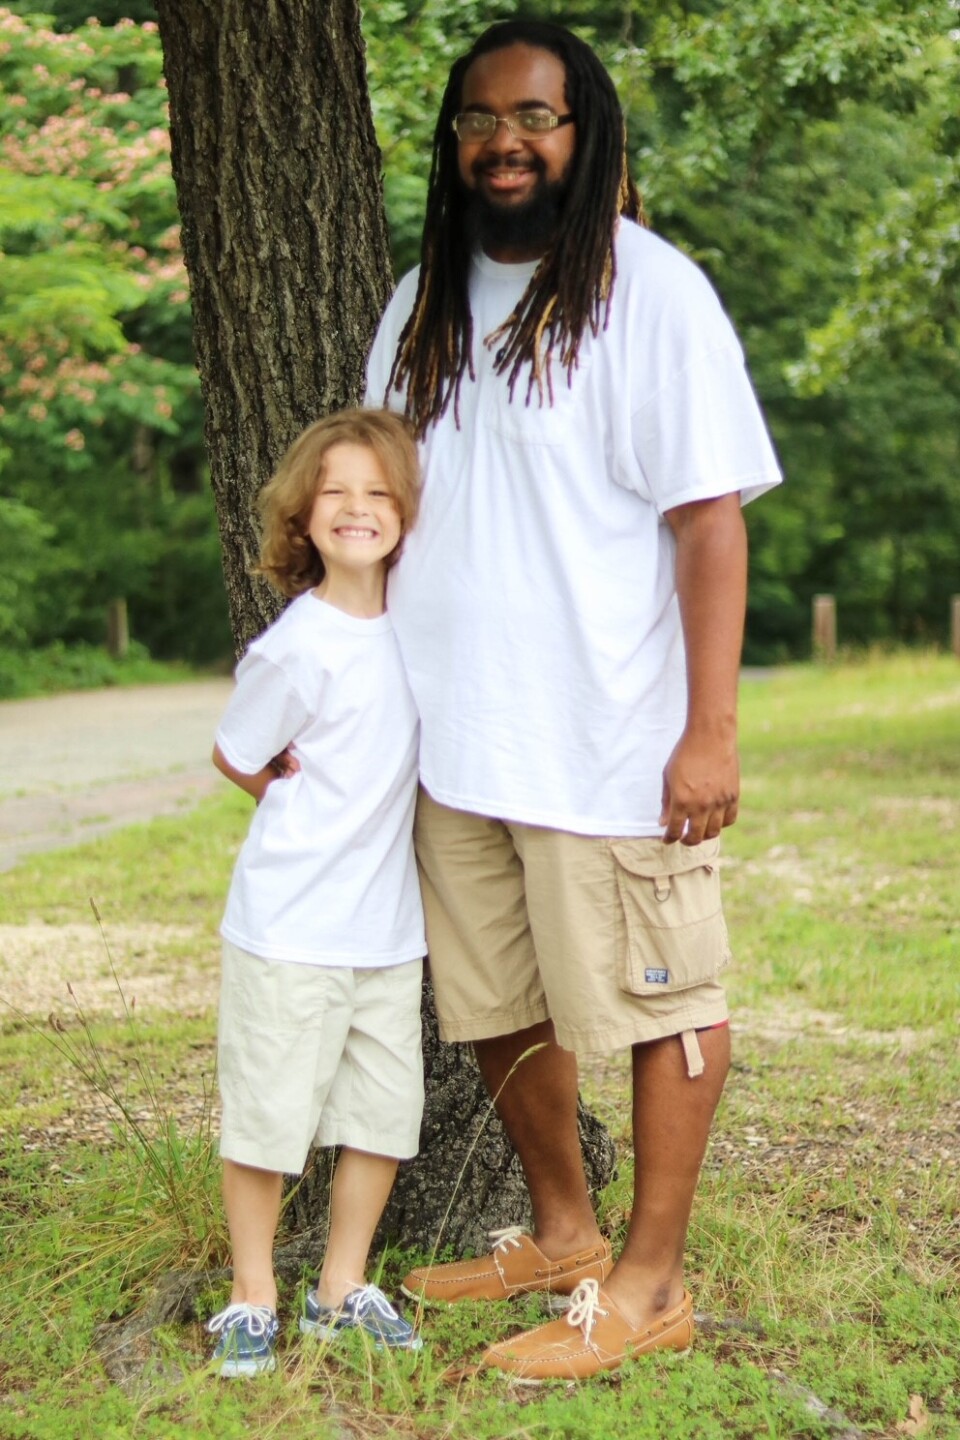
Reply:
x=509 y=162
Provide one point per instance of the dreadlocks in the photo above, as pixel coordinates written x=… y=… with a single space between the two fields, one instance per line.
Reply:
x=571 y=287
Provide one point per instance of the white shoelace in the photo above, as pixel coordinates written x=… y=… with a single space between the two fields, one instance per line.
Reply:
x=370 y=1297
x=507 y=1238
x=258 y=1317
x=585 y=1307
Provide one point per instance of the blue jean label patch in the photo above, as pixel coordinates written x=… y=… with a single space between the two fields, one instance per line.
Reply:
x=657 y=977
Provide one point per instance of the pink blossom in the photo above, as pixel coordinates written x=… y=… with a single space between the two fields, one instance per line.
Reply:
x=74 y=440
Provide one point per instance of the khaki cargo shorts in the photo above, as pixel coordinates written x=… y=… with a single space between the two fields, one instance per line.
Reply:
x=618 y=941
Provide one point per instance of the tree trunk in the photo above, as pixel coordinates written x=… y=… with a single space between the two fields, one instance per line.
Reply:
x=278 y=182
x=466 y=1179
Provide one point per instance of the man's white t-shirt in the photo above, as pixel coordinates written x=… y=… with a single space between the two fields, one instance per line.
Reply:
x=327 y=874
x=535 y=603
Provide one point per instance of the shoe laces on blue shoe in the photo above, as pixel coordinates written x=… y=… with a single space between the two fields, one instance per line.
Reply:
x=248 y=1338
x=366 y=1309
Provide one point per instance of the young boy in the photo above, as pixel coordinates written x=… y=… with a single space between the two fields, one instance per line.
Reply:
x=319 y=1029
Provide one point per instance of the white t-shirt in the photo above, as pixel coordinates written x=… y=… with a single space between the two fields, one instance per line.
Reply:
x=535 y=603
x=327 y=874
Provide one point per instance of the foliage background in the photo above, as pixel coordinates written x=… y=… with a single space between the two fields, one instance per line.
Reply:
x=803 y=153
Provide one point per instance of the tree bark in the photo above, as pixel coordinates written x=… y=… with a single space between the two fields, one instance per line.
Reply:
x=278 y=182
x=277 y=171
x=466 y=1180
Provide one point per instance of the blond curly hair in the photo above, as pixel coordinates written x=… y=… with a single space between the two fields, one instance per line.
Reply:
x=289 y=560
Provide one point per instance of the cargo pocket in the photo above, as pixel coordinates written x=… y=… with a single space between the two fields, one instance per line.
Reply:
x=675 y=936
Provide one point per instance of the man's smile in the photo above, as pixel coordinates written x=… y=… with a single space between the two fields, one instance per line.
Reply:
x=506 y=175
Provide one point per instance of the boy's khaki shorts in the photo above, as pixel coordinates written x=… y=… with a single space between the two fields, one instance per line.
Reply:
x=314 y=1054
x=617 y=941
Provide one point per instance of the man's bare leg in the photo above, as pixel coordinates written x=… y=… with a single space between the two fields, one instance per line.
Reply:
x=672 y=1115
x=538 y=1107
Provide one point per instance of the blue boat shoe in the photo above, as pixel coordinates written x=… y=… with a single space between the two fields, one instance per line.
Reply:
x=366 y=1309
x=248 y=1339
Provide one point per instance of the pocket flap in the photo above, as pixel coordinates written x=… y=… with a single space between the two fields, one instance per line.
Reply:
x=675 y=859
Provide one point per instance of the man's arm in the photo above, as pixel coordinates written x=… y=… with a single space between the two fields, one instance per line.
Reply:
x=701 y=780
x=253 y=785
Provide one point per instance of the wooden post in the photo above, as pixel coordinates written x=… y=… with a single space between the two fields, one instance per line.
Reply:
x=118 y=630
x=824 y=627
x=955 y=625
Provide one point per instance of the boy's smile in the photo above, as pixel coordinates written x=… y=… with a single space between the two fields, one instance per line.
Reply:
x=354 y=521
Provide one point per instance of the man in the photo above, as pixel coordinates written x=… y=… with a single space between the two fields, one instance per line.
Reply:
x=570 y=611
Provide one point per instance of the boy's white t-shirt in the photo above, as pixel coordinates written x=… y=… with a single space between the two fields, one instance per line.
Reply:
x=327 y=874
x=535 y=601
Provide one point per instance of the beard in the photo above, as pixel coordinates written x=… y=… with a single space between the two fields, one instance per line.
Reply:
x=530 y=226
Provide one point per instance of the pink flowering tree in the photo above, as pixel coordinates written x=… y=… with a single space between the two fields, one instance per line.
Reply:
x=102 y=487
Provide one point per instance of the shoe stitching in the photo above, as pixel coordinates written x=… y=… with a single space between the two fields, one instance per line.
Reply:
x=563 y=1350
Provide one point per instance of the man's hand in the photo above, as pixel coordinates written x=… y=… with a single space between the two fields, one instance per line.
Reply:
x=701 y=788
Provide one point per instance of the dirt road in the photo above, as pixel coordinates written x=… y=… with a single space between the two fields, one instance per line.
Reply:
x=77 y=765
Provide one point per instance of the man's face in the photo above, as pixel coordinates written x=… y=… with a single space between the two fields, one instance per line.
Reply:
x=516 y=183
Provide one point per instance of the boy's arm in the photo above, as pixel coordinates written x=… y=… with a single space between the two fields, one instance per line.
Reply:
x=254 y=785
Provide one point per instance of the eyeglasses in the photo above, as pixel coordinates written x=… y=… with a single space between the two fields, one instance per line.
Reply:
x=473 y=125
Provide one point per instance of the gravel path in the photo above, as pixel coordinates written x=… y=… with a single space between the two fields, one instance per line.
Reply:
x=77 y=765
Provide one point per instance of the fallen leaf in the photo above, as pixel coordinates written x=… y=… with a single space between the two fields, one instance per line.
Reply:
x=918 y=1417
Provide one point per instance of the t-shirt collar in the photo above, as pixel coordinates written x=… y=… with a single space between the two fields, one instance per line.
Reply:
x=497 y=270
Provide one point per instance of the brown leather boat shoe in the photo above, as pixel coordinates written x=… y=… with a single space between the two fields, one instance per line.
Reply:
x=593 y=1336
x=515 y=1266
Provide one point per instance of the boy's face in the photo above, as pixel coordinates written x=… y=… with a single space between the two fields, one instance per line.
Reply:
x=354 y=522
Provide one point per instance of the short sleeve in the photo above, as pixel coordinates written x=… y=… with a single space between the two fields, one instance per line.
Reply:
x=384 y=347
x=703 y=434
x=265 y=713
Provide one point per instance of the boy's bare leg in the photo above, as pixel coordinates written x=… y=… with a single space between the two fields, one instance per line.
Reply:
x=252 y=1202
x=538 y=1108
x=361 y=1187
x=672 y=1115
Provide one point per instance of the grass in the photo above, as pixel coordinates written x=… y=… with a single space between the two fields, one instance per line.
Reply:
x=825 y=1240
x=80 y=666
